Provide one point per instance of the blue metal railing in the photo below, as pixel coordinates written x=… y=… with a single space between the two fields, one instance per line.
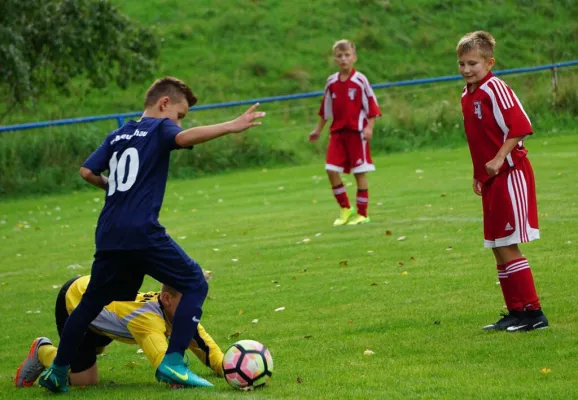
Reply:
x=120 y=117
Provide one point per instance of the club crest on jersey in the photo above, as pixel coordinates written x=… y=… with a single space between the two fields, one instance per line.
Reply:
x=478 y=109
x=351 y=93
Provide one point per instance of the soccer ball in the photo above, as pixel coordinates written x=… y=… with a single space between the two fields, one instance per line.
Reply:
x=247 y=364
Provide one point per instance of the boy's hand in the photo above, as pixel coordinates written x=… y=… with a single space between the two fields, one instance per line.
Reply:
x=247 y=119
x=477 y=187
x=493 y=166
x=367 y=133
x=314 y=135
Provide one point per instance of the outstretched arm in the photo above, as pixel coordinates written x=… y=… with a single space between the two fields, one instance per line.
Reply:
x=200 y=134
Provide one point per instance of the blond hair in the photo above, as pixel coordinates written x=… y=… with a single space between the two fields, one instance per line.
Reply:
x=480 y=41
x=343 y=45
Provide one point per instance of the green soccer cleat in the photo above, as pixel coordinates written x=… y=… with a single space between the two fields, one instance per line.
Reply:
x=344 y=215
x=55 y=379
x=31 y=368
x=358 y=220
x=174 y=371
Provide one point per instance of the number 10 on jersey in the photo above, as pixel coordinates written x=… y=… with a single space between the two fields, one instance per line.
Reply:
x=121 y=179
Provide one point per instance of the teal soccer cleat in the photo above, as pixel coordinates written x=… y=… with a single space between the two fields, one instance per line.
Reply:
x=55 y=379
x=174 y=371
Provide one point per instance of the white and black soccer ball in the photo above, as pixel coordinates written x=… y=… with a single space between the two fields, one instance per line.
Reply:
x=247 y=364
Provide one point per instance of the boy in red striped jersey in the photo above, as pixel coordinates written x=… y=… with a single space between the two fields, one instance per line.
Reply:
x=350 y=101
x=496 y=125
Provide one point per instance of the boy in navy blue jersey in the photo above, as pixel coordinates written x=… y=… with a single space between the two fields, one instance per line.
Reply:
x=130 y=241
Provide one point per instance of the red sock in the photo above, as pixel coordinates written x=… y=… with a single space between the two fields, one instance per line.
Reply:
x=340 y=194
x=521 y=279
x=513 y=301
x=362 y=200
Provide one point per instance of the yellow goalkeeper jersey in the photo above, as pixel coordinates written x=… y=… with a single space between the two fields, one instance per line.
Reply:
x=143 y=322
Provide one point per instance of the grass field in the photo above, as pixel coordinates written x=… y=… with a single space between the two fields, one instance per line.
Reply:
x=417 y=303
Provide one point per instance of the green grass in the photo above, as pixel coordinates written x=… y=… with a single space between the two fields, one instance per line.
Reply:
x=345 y=288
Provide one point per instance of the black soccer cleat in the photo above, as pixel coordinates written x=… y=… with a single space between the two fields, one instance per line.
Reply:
x=532 y=321
x=513 y=318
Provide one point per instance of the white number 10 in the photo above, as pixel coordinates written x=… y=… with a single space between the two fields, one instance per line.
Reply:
x=118 y=178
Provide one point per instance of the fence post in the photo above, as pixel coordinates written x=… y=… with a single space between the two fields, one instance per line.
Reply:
x=120 y=121
x=555 y=84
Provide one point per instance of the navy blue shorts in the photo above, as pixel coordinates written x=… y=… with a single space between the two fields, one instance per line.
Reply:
x=117 y=275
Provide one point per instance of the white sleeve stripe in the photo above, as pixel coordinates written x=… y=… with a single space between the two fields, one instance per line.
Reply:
x=502 y=93
x=327 y=105
x=364 y=83
x=505 y=91
x=495 y=90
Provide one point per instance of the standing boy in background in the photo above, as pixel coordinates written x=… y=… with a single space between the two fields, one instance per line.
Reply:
x=350 y=101
x=496 y=125
x=130 y=241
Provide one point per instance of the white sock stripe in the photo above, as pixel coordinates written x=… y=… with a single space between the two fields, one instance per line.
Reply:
x=339 y=190
x=517 y=264
x=362 y=200
x=518 y=269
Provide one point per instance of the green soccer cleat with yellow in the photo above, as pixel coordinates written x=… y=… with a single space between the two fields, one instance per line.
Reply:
x=55 y=379
x=175 y=372
x=358 y=220
x=344 y=215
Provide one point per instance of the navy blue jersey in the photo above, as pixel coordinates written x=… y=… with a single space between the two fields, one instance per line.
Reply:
x=137 y=158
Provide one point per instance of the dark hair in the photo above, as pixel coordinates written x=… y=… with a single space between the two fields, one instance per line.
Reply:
x=174 y=88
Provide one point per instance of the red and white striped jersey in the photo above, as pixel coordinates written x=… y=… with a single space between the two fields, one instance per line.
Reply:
x=350 y=103
x=492 y=114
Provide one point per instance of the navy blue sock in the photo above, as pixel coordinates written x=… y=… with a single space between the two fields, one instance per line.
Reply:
x=186 y=319
x=74 y=329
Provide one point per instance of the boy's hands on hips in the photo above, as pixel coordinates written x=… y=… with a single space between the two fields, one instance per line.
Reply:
x=247 y=119
x=477 y=187
x=367 y=133
x=314 y=135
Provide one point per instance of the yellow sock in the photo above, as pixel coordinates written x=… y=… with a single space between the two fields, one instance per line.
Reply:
x=47 y=354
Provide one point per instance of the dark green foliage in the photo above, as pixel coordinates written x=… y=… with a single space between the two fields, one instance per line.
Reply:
x=48 y=44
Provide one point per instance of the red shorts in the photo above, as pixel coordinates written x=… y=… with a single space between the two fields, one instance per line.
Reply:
x=348 y=152
x=510 y=207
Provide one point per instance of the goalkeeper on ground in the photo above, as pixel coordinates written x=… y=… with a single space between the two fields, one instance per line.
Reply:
x=146 y=321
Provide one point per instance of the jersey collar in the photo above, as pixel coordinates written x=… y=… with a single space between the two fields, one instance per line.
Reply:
x=353 y=71
x=486 y=78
